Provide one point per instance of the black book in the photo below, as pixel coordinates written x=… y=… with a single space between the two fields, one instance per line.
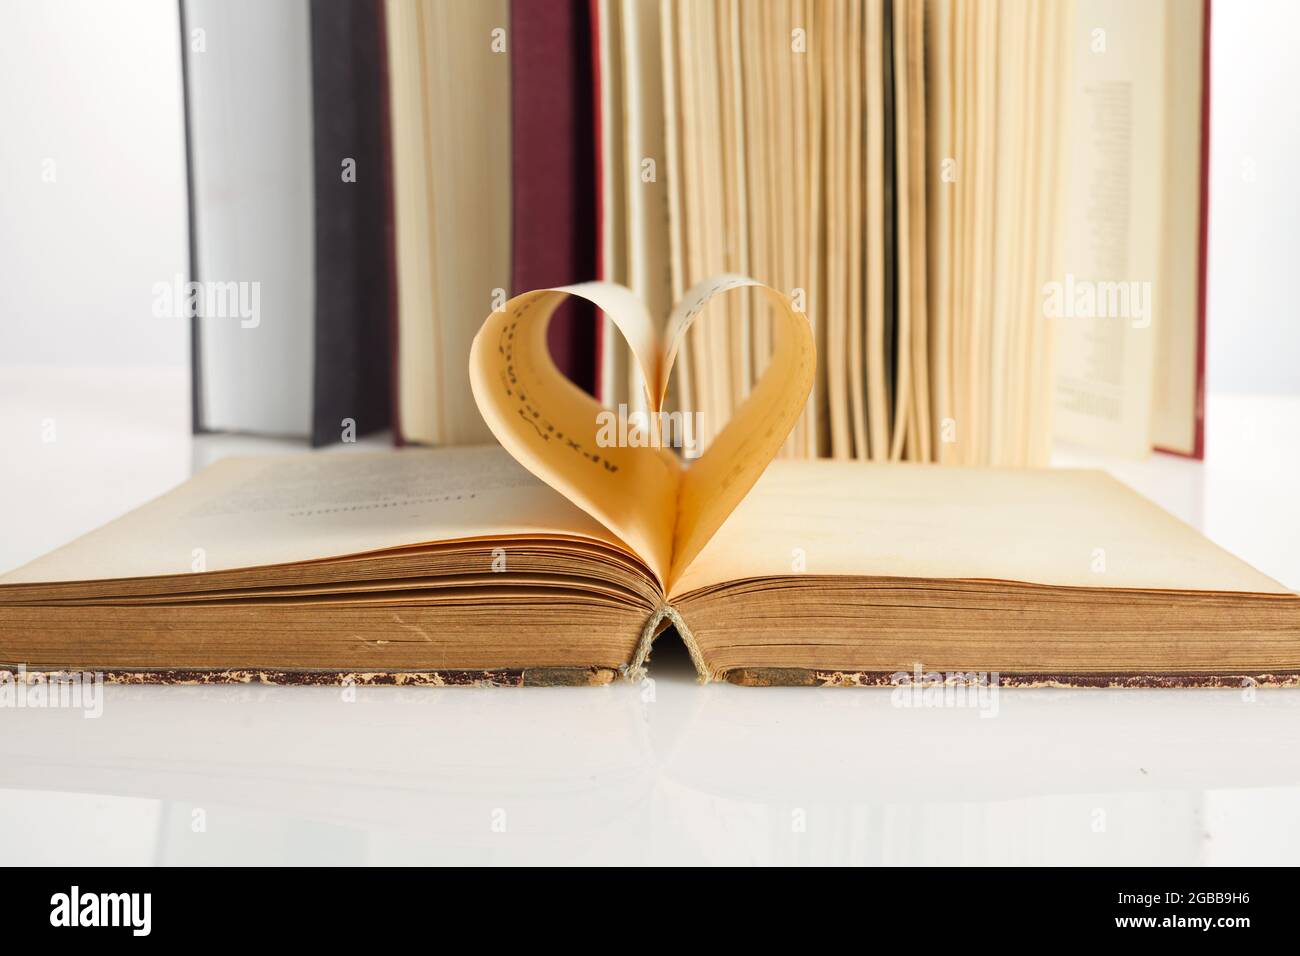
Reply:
x=352 y=380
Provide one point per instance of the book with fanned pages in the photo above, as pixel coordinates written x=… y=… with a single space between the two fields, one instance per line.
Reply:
x=561 y=556
x=925 y=173
x=995 y=213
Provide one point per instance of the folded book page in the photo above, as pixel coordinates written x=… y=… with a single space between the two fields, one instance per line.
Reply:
x=663 y=508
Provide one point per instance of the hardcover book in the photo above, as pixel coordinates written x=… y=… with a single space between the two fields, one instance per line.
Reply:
x=450 y=122
x=561 y=557
x=553 y=240
x=354 y=307
x=289 y=212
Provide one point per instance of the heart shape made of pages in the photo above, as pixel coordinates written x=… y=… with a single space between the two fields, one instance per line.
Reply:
x=663 y=508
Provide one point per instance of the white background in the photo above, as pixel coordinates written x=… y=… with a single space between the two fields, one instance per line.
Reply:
x=95 y=87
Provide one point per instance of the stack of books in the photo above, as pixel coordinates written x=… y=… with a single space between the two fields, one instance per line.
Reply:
x=993 y=214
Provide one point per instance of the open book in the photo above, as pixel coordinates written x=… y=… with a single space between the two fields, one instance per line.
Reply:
x=560 y=558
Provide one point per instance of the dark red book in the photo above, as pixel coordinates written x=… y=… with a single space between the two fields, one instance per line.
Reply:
x=554 y=172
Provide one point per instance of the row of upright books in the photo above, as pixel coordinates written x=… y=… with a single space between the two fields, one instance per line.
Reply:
x=992 y=212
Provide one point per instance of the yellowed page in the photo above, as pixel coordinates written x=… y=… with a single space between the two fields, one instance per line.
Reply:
x=1107 y=306
x=417 y=377
x=804 y=155
x=877 y=399
x=253 y=512
x=839 y=319
x=700 y=352
x=903 y=409
x=553 y=428
x=732 y=130
x=1177 y=389
x=1009 y=196
x=615 y=361
x=672 y=171
x=758 y=176
x=1031 y=146
x=940 y=186
x=646 y=220
x=783 y=143
x=961 y=432
x=855 y=214
x=982 y=182
x=919 y=433
x=638 y=489
x=817 y=412
x=469 y=172
x=713 y=486
x=719 y=375
x=1053 y=197
x=1055 y=527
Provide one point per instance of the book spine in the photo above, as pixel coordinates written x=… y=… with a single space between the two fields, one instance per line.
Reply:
x=390 y=224
x=352 y=369
x=553 y=237
x=599 y=193
x=196 y=367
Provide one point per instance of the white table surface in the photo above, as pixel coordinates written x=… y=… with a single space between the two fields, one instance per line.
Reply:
x=665 y=772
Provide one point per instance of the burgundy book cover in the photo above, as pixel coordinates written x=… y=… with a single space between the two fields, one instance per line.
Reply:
x=1198 y=451
x=597 y=158
x=554 y=173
